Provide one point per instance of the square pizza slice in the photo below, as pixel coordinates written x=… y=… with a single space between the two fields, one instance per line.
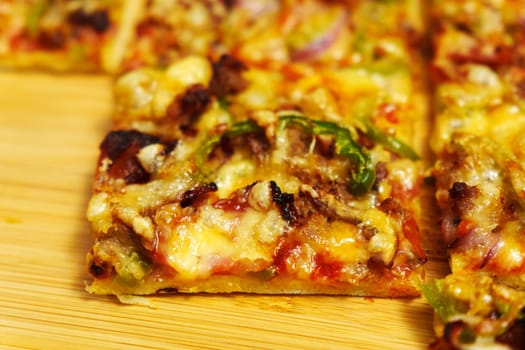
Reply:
x=269 y=32
x=224 y=177
x=480 y=173
x=66 y=35
x=166 y=30
x=478 y=135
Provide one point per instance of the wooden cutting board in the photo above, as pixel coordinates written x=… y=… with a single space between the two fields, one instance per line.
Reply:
x=50 y=128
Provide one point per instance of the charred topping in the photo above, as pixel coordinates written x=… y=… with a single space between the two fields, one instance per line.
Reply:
x=97 y=20
x=285 y=202
x=121 y=147
x=169 y=146
x=227 y=76
x=186 y=107
x=191 y=196
x=100 y=268
x=118 y=141
x=461 y=196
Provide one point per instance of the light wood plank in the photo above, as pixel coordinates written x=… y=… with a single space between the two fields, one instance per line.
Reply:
x=50 y=129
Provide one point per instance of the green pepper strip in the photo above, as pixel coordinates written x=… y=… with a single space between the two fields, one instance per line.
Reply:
x=364 y=176
x=444 y=305
x=390 y=142
x=34 y=14
x=239 y=128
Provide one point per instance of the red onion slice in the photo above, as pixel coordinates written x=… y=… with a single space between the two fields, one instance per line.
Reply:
x=322 y=42
x=257 y=8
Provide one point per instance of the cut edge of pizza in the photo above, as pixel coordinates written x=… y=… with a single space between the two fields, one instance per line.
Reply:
x=220 y=177
x=480 y=174
x=477 y=138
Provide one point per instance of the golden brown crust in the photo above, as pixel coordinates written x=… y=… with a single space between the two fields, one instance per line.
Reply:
x=376 y=286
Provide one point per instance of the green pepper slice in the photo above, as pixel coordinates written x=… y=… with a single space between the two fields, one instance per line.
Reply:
x=237 y=129
x=33 y=16
x=390 y=142
x=364 y=176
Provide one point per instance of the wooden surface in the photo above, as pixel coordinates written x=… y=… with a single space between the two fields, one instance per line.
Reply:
x=50 y=128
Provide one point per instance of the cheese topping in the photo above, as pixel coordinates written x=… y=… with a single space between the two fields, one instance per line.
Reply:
x=276 y=170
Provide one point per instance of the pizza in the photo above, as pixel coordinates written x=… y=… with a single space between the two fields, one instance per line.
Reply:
x=475 y=311
x=63 y=35
x=281 y=147
x=221 y=177
x=477 y=138
x=226 y=173
x=323 y=33
x=166 y=30
x=117 y=36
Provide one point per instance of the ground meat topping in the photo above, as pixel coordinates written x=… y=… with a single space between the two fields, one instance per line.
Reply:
x=52 y=39
x=97 y=20
x=461 y=196
x=189 y=105
x=227 y=76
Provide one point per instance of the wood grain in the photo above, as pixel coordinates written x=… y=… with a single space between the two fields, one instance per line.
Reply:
x=50 y=128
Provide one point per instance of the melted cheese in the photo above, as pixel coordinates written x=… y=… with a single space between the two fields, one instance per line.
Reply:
x=279 y=205
x=475 y=137
x=215 y=240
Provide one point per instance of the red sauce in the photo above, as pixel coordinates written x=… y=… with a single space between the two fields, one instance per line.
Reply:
x=464 y=228
x=236 y=203
x=325 y=268
x=285 y=249
x=158 y=256
x=389 y=111
x=411 y=232
x=21 y=42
